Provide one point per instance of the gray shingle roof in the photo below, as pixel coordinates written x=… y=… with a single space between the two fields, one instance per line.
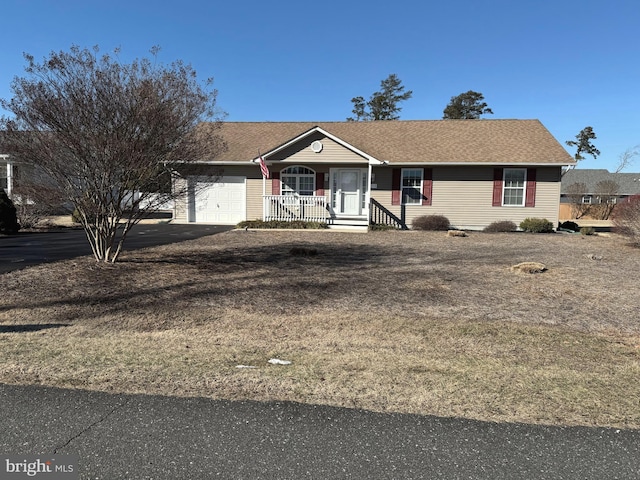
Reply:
x=629 y=183
x=502 y=142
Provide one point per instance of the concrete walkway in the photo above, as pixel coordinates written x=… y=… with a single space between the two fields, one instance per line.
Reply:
x=152 y=437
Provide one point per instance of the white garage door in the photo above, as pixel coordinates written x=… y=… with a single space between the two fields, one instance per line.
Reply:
x=221 y=201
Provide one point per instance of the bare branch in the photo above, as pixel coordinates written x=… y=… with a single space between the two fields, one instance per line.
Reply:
x=627 y=158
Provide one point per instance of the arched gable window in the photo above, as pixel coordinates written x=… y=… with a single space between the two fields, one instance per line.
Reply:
x=297 y=179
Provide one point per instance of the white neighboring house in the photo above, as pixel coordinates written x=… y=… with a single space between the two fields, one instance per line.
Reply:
x=8 y=176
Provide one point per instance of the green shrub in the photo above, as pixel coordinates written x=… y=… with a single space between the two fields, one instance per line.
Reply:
x=8 y=216
x=587 y=231
x=501 y=226
x=536 y=225
x=296 y=224
x=573 y=226
x=431 y=222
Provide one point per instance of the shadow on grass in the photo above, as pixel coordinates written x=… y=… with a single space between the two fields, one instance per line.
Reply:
x=269 y=278
x=337 y=256
x=30 y=328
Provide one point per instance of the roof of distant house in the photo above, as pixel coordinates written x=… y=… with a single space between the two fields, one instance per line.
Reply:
x=628 y=183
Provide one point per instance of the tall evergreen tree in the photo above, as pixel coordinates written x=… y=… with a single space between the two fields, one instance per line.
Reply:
x=466 y=106
x=383 y=104
x=583 y=144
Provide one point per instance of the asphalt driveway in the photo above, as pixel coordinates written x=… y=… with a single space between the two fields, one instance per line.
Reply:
x=153 y=437
x=26 y=249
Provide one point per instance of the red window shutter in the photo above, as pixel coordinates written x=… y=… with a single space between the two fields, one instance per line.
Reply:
x=427 y=186
x=320 y=184
x=395 y=186
x=497 y=187
x=530 y=198
x=275 y=183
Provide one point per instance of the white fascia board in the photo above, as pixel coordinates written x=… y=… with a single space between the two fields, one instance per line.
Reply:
x=474 y=164
x=370 y=159
x=218 y=162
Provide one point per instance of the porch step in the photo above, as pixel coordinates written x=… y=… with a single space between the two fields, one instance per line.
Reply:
x=348 y=224
x=349 y=221
x=350 y=228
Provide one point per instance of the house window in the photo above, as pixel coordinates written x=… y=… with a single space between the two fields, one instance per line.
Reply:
x=586 y=199
x=513 y=192
x=297 y=180
x=411 y=186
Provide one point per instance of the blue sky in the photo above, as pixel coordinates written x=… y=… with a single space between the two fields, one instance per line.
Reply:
x=567 y=63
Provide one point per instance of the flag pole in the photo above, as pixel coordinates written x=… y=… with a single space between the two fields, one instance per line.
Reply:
x=264 y=179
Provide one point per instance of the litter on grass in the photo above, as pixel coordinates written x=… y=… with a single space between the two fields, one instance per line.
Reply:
x=277 y=361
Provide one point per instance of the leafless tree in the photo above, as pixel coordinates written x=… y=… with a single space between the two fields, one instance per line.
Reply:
x=627 y=158
x=606 y=191
x=626 y=218
x=102 y=129
x=575 y=194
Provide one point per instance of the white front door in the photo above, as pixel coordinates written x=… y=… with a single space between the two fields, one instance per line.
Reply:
x=348 y=194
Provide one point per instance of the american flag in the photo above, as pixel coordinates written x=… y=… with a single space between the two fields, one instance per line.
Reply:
x=263 y=167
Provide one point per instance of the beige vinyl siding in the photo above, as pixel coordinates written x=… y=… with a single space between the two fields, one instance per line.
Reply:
x=465 y=194
x=301 y=152
x=254 y=197
x=180 y=207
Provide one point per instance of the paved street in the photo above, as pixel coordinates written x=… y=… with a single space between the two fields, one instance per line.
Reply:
x=151 y=437
x=26 y=249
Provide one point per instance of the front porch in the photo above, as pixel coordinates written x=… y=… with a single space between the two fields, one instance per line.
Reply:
x=314 y=208
x=308 y=208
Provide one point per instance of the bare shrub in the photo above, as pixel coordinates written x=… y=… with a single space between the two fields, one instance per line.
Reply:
x=501 y=226
x=35 y=201
x=431 y=222
x=626 y=218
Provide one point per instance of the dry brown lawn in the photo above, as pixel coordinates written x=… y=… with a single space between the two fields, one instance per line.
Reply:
x=414 y=322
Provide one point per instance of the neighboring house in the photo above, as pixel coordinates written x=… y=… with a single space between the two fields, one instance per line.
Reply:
x=594 y=187
x=474 y=172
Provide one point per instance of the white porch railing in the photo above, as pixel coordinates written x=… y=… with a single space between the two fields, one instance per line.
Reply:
x=295 y=207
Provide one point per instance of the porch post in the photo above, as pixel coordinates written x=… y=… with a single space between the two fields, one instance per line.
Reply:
x=9 y=177
x=367 y=198
x=264 y=193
